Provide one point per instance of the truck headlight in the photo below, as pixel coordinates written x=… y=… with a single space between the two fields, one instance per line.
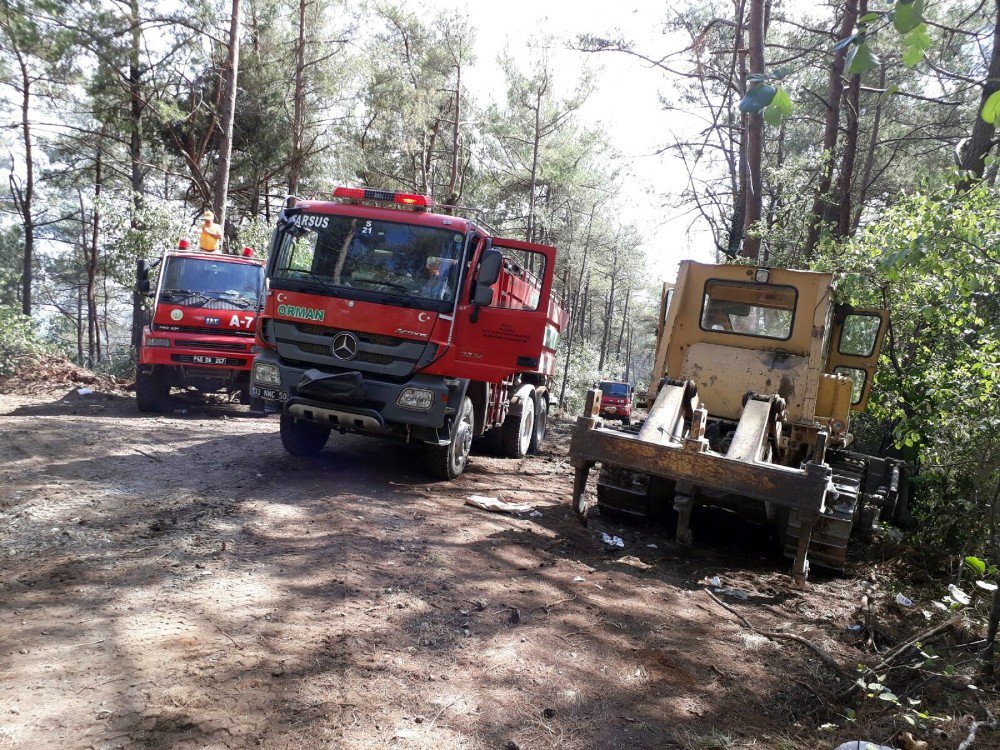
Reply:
x=150 y=341
x=418 y=399
x=266 y=373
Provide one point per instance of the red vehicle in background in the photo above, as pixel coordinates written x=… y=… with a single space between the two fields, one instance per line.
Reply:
x=616 y=400
x=200 y=331
x=384 y=318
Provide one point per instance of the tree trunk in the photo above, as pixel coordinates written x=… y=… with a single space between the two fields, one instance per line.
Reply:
x=831 y=126
x=845 y=179
x=755 y=136
x=866 y=170
x=981 y=140
x=231 y=74
x=93 y=319
x=298 y=104
x=535 y=147
x=737 y=225
x=621 y=333
x=136 y=107
x=27 y=195
x=456 y=133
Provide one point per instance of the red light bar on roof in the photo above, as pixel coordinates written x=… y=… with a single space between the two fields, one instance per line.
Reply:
x=383 y=196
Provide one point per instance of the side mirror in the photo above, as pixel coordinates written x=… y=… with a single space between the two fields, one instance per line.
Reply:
x=489 y=271
x=489 y=267
x=483 y=296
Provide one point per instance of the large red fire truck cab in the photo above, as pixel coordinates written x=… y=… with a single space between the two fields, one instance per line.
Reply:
x=201 y=327
x=384 y=318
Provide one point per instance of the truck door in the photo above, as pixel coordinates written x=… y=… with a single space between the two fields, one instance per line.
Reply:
x=494 y=340
x=855 y=342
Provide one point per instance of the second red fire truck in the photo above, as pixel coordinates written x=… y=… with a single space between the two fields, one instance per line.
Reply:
x=386 y=318
x=201 y=327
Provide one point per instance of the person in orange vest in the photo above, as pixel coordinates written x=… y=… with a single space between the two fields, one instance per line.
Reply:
x=211 y=233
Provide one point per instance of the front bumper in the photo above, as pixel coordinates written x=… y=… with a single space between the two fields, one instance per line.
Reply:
x=370 y=407
x=198 y=350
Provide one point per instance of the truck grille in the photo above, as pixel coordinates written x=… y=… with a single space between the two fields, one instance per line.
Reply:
x=214 y=345
x=309 y=344
x=369 y=338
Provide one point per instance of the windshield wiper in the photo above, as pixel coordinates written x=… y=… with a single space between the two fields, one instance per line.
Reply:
x=319 y=278
x=173 y=293
x=391 y=284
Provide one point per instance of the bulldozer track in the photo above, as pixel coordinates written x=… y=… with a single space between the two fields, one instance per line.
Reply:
x=830 y=535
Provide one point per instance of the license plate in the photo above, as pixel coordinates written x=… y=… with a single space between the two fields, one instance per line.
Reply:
x=203 y=360
x=271 y=394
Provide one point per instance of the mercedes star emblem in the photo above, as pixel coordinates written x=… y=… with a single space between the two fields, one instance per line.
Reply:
x=345 y=345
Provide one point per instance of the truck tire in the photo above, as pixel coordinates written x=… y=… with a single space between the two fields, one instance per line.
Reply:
x=541 y=422
x=448 y=461
x=517 y=431
x=302 y=438
x=151 y=392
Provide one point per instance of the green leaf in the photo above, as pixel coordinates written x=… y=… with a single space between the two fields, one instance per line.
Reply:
x=917 y=42
x=779 y=108
x=861 y=59
x=977 y=565
x=907 y=16
x=869 y=17
x=757 y=97
x=991 y=109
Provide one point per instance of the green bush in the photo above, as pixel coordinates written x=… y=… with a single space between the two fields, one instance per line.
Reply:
x=18 y=340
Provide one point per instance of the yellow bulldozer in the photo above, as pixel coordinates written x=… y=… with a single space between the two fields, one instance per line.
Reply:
x=756 y=374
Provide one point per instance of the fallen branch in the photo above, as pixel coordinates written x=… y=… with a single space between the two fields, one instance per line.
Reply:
x=775 y=635
x=548 y=606
x=893 y=655
x=990 y=723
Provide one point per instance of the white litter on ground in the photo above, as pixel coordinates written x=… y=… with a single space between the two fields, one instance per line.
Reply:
x=84 y=391
x=612 y=541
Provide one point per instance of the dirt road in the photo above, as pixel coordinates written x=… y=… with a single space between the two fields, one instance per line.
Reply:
x=180 y=582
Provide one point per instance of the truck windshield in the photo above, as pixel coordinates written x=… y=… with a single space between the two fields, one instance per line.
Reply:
x=614 y=389
x=192 y=281
x=351 y=253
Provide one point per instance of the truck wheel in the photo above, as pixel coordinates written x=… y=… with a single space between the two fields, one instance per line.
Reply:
x=151 y=392
x=302 y=438
x=515 y=440
x=448 y=461
x=541 y=422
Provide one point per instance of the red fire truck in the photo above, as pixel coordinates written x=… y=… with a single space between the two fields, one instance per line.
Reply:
x=616 y=400
x=385 y=318
x=201 y=328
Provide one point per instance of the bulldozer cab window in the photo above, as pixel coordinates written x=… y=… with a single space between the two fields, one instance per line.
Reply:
x=859 y=334
x=762 y=310
x=858 y=377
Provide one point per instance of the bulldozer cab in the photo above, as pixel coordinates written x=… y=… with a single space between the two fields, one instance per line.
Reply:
x=734 y=329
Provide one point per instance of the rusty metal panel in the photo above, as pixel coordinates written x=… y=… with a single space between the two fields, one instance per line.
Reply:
x=724 y=374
